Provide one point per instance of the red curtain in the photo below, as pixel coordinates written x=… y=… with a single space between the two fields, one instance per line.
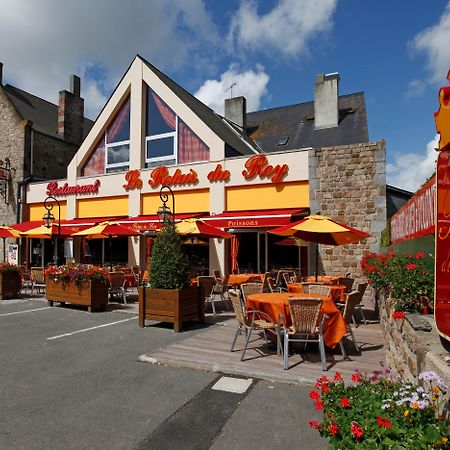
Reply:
x=234 y=254
x=118 y=121
x=96 y=162
x=166 y=113
x=190 y=147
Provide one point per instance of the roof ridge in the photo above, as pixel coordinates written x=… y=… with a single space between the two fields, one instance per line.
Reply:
x=33 y=95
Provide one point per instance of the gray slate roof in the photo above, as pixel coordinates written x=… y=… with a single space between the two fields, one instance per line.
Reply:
x=42 y=113
x=296 y=124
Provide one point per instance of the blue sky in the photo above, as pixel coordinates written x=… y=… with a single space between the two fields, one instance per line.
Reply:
x=398 y=53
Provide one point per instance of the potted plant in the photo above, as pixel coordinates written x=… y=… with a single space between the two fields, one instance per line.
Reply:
x=379 y=412
x=77 y=284
x=169 y=298
x=10 y=280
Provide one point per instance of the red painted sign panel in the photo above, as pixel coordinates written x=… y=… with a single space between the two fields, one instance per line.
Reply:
x=442 y=287
x=417 y=217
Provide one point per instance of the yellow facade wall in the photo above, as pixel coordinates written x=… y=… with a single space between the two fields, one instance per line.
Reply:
x=185 y=202
x=268 y=196
x=36 y=210
x=103 y=207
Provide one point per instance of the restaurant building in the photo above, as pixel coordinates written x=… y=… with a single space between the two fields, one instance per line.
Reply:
x=245 y=172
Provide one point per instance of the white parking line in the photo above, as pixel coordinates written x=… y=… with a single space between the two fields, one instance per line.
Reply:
x=23 y=312
x=88 y=329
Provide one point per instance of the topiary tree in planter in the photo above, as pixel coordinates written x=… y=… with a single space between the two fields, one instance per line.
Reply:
x=170 y=298
x=169 y=267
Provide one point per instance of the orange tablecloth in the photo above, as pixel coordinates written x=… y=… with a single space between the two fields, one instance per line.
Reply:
x=325 y=279
x=275 y=304
x=238 y=279
x=130 y=280
x=337 y=291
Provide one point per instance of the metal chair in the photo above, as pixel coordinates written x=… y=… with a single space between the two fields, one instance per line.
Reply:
x=251 y=320
x=353 y=299
x=347 y=282
x=248 y=289
x=361 y=289
x=206 y=285
x=117 y=285
x=220 y=288
x=306 y=321
x=217 y=275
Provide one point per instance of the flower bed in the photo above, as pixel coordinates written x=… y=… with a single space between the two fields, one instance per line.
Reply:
x=379 y=412
x=407 y=279
x=78 y=274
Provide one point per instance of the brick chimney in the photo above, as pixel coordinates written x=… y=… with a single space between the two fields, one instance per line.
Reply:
x=236 y=111
x=326 y=93
x=71 y=113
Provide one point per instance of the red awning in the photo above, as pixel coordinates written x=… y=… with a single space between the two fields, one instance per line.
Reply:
x=255 y=219
x=151 y=222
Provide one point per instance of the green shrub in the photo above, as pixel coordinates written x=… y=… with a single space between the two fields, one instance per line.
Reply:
x=169 y=268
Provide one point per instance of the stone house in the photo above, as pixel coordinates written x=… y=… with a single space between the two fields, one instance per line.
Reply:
x=39 y=139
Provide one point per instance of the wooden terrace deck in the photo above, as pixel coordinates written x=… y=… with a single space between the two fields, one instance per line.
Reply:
x=209 y=350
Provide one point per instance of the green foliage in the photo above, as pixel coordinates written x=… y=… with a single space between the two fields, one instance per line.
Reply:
x=169 y=268
x=407 y=278
x=379 y=413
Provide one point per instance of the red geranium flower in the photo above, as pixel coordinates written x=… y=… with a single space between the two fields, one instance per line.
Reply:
x=384 y=422
x=356 y=430
x=337 y=376
x=325 y=388
x=334 y=429
x=398 y=315
x=356 y=377
x=314 y=395
x=345 y=403
x=319 y=405
x=313 y=424
x=410 y=266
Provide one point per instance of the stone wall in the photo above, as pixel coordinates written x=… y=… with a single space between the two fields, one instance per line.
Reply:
x=348 y=184
x=410 y=350
x=13 y=132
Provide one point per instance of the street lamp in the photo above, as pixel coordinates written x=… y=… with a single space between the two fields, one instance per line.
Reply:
x=164 y=212
x=49 y=219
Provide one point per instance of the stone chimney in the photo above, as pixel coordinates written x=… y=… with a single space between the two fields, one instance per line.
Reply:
x=236 y=111
x=326 y=93
x=71 y=113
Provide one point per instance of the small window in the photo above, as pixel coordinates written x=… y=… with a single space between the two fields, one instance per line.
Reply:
x=160 y=151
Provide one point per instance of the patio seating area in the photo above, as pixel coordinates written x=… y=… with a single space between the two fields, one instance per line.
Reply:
x=209 y=350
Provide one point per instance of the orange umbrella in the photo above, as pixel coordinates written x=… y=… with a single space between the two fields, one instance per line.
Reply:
x=322 y=230
x=198 y=228
x=7 y=232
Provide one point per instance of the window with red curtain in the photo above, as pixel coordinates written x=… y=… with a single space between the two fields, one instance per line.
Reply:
x=162 y=126
x=112 y=152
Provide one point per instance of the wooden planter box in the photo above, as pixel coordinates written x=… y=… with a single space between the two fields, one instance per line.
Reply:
x=94 y=295
x=10 y=284
x=171 y=305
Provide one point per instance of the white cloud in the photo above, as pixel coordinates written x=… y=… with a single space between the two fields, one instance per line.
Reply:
x=434 y=42
x=42 y=43
x=416 y=88
x=410 y=170
x=252 y=84
x=286 y=29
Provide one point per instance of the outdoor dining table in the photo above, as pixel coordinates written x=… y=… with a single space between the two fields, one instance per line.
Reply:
x=324 y=279
x=238 y=279
x=274 y=304
x=337 y=291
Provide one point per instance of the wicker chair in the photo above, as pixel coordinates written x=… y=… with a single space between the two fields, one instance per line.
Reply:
x=280 y=281
x=353 y=299
x=117 y=285
x=206 y=285
x=251 y=320
x=248 y=289
x=266 y=287
x=37 y=279
x=306 y=322
x=217 y=274
x=220 y=288
x=316 y=288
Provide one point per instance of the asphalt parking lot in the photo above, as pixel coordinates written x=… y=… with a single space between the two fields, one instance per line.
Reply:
x=71 y=380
